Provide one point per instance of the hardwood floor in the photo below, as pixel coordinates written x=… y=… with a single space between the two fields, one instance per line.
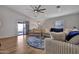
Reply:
x=8 y=46
x=24 y=48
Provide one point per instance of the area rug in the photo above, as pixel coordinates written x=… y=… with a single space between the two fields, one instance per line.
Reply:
x=36 y=42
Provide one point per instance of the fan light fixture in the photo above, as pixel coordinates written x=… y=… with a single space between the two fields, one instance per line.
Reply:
x=35 y=11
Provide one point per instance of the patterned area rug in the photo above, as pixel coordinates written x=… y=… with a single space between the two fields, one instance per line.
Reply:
x=36 y=42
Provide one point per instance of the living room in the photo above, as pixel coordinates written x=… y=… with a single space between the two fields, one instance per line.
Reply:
x=43 y=23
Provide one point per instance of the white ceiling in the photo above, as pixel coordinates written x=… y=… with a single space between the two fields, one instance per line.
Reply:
x=51 y=10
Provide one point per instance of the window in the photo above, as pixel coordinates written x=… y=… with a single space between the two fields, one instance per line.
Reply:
x=59 y=24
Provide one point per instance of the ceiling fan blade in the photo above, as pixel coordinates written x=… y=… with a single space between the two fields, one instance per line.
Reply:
x=38 y=6
x=35 y=7
x=41 y=12
x=42 y=9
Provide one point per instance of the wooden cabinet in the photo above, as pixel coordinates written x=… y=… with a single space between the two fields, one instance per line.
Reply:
x=8 y=45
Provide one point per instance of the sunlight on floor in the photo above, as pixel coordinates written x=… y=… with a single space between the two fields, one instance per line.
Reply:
x=24 y=48
x=20 y=44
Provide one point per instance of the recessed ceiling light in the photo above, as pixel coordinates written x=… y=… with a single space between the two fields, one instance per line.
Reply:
x=58 y=6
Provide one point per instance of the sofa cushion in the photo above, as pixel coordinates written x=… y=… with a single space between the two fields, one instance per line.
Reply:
x=74 y=40
x=71 y=35
x=60 y=36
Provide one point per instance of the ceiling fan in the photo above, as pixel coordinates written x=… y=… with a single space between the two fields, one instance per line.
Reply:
x=38 y=9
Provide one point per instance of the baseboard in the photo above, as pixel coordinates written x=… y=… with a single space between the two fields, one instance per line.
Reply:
x=7 y=37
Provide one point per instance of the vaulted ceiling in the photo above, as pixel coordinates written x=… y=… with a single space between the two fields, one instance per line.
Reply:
x=51 y=10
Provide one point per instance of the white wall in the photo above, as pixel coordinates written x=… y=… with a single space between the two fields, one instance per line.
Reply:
x=69 y=21
x=8 y=20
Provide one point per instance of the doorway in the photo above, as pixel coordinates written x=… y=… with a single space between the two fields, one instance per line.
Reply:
x=23 y=28
x=20 y=28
